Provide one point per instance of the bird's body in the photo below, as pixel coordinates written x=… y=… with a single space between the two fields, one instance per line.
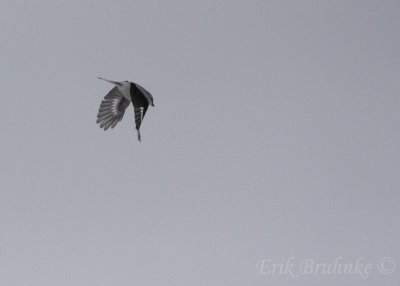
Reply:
x=112 y=108
x=124 y=89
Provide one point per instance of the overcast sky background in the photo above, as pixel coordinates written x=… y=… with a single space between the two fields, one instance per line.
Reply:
x=275 y=134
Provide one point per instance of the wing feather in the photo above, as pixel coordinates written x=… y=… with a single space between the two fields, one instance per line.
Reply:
x=112 y=109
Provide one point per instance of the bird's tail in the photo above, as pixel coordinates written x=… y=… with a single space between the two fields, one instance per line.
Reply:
x=110 y=81
x=138 y=135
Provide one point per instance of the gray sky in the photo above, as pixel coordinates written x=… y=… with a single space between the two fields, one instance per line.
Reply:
x=275 y=135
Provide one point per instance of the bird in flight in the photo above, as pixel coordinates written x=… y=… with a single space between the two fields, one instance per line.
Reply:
x=113 y=106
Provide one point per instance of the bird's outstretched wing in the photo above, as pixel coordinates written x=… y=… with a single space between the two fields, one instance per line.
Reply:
x=140 y=104
x=112 y=109
x=140 y=111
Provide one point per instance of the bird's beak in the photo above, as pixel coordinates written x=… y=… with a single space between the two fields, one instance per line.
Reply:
x=110 y=81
